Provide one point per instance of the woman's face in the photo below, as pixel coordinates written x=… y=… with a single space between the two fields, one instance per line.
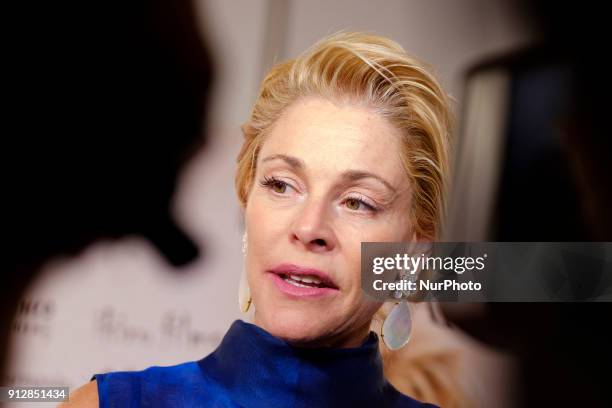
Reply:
x=328 y=177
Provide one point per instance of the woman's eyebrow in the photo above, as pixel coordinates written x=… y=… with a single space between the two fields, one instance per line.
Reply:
x=290 y=160
x=356 y=175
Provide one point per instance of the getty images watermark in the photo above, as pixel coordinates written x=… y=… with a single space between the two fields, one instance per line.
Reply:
x=410 y=265
x=488 y=271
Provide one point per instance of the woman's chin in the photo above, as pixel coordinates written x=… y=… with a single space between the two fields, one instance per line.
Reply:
x=294 y=327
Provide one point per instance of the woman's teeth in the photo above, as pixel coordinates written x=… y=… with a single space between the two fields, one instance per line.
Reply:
x=305 y=278
x=303 y=281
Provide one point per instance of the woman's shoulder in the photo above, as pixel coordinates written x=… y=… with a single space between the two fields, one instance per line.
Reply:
x=185 y=373
x=85 y=396
x=136 y=388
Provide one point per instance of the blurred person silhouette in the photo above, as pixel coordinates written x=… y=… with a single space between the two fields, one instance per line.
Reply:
x=107 y=101
x=555 y=185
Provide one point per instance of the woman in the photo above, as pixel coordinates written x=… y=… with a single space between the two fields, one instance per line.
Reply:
x=345 y=144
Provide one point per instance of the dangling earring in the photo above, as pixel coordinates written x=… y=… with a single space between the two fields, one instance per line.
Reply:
x=244 y=292
x=397 y=327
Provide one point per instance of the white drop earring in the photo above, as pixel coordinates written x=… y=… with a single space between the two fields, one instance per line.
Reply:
x=397 y=326
x=244 y=292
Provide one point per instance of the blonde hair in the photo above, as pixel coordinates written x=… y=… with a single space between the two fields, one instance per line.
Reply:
x=378 y=73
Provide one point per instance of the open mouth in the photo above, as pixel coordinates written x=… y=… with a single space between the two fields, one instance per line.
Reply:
x=295 y=280
x=305 y=281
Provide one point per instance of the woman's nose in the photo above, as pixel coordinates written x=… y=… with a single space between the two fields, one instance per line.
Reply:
x=312 y=227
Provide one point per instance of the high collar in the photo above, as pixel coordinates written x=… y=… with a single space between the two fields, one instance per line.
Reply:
x=257 y=369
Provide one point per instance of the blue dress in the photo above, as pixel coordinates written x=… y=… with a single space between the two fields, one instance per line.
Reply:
x=252 y=368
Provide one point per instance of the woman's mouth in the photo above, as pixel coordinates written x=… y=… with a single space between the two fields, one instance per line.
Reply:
x=294 y=280
x=304 y=281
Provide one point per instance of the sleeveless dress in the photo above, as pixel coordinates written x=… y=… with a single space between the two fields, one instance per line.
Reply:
x=252 y=368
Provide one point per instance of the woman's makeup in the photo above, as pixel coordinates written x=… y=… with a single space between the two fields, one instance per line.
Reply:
x=300 y=281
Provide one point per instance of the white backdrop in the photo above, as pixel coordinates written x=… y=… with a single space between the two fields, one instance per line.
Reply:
x=118 y=305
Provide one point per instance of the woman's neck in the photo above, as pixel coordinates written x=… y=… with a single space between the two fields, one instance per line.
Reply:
x=354 y=337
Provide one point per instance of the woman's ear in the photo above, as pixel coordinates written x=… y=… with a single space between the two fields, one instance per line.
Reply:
x=415 y=237
x=419 y=244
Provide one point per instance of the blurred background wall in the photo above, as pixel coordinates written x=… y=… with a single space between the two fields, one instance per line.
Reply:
x=118 y=304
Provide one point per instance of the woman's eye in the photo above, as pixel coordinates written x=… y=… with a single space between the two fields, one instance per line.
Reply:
x=353 y=204
x=277 y=186
x=356 y=204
